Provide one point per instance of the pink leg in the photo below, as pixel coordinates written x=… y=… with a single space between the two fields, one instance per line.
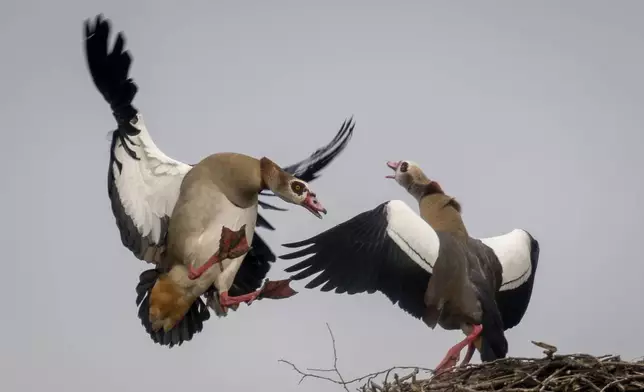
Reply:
x=227 y=301
x=454 y=353
x=468 y=356
x=226 y=251
x=278 y=289
x=195 y=273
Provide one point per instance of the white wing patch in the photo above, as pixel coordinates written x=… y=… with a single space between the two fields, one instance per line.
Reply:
x=412 y=234
x=148 y=187
x=513 y=251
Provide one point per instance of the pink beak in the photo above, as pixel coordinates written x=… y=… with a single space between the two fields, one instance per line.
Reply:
x=312 y=204
x=393 y=166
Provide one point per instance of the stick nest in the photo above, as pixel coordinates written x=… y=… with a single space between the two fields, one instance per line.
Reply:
x=575 y=372
x=552 y=373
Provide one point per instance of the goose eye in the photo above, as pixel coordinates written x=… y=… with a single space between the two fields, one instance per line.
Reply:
x=404 y=167
x=297 y=187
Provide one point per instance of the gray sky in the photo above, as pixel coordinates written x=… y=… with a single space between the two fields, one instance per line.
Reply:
x=529 y=113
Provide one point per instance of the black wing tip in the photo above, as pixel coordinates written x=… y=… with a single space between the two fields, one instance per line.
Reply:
x=341 y=140
x=309 y=169
x=184 y=331
x=268 y=206
x=294 y=268
x=109 y=67
x=99 y=20
x=262 y=222
x=295 y=244
x=349 y=124
x=535 y=248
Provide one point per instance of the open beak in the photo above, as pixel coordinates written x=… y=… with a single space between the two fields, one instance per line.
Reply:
x=312 y=204
x=393 y=166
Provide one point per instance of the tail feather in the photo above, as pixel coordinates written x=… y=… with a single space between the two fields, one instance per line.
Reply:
x=494 y=345
x=184 y=330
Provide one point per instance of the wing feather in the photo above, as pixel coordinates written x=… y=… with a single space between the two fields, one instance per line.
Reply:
x=307 y=169
x=360 y=255
x=518 y=254
x=147 y=188
x=143 y=182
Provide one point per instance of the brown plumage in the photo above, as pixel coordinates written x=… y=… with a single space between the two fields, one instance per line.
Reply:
x=210 y=228
x=481 y=286
x=451 y=300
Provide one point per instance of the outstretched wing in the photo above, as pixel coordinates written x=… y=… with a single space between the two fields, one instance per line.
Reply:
x=518 y=253
x=307 y=169
x=143 y=191
x=387 y=249
x=143 y=183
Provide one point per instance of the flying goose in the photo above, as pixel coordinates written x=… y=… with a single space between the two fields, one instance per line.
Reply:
x=481 y=286
x=163 y=206
x=441 y=211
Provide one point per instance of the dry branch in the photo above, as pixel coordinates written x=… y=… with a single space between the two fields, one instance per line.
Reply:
x=341 y=381
x=553 y=373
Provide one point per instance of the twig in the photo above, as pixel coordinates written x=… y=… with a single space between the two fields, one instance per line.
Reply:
x=311 y=372
x=335 y=369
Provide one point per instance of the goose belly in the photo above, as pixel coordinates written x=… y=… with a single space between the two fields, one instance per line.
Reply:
x=196 y=226
x=231 y=217
x=223 y=274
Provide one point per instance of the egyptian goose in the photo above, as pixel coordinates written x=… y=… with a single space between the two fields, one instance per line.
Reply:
x=481 y=286
x=441 y=211
x=174 y=215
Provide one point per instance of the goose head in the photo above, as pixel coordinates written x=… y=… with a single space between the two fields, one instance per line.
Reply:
x=298 y=192
x=406 y=173
x=410 y=176
x=290 y=188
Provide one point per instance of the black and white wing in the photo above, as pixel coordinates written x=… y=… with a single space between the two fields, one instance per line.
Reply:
x=307 y=169
x=388 y=249
x=143 y=183
x=143 y=191
x=518 y=253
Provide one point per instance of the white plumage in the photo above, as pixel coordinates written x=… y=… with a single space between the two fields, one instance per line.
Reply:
x=148 y=187
x=420 y=242
x=412 y=234
x=513 y=251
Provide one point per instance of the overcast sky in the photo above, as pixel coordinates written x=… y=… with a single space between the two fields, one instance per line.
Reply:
x=530 y=113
